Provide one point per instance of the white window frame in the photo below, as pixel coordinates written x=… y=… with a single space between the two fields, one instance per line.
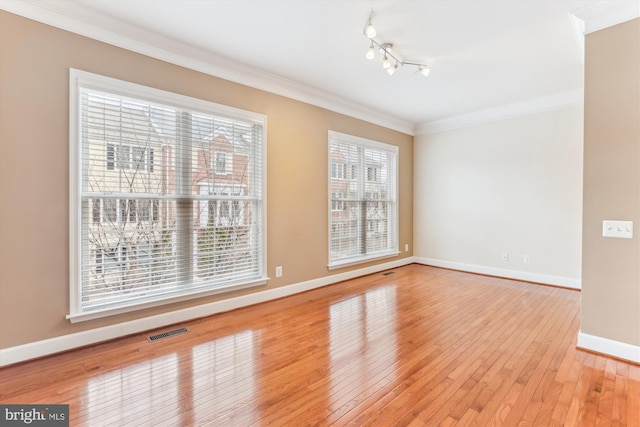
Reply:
x=81 y=79
x=393 y=243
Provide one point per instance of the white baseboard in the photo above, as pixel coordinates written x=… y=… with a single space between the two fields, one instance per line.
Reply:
x=564 y=282
x=609 y=347
x=50 y=346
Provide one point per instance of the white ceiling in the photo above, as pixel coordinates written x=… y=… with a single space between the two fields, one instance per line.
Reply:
x=482 y=54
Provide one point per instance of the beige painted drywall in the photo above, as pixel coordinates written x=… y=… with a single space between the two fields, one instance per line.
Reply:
x=34 y=168
x=611 y=267
x=511 y=186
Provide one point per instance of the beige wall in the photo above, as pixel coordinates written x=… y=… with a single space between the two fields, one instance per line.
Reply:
x=611 y=267
x=34 y=169
x=512 y=186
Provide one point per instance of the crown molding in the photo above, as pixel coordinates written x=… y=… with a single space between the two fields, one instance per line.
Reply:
x=604 y=14
x=531 y=106
x=70 y=17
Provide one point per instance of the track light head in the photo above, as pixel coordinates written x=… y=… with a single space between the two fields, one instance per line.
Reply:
x=371 y=52
x=392 y=69
x=424 y=70
x=385 y=62
x=370 y=30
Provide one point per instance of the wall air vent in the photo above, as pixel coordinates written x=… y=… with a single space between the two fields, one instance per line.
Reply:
x=167 y=334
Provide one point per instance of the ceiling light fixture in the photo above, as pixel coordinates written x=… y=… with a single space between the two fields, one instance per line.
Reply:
x=385 y=62
x=424 y=70
x=371 y=52
x=385 y=50
x=370 y=30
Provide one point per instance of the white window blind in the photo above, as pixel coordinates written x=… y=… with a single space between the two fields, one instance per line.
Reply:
x=152 y=219
x=363 y=203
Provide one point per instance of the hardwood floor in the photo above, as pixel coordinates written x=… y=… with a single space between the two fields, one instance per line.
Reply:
x=419 y=347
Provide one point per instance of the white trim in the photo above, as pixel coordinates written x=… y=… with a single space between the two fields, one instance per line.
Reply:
x=545 y=279
x=338 y=137
x=351 y=262
x=577 y=28
x=80 y=80
x=67 y=16
x=605 y=14
x=531 y=106
x=365 y=142
x=618 y=349
x=75 y=192
x=71 y=17
x=128 y=89
x=81 y=316
x=50 y=346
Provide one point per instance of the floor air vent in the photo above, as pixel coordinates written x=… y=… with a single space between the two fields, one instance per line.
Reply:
x=168 y=334
x=388 y=273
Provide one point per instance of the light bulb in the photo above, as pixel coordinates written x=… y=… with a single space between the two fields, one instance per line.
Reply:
x=386 y=63
x=371 y=53
x=392 y=69
x=425 y=70
x=370 y=31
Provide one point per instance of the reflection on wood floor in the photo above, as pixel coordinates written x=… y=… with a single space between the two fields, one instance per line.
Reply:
x=423 y=346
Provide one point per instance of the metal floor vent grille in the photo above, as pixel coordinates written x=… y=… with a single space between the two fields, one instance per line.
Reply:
x=167 y=334
x=388 y=273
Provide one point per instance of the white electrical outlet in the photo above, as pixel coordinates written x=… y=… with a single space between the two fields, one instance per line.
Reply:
x=406 y=247
x=505 y=256
x=526 y=259
x=619 y=229
x=279 y=271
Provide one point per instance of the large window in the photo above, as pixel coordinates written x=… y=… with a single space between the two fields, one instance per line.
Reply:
x=152 y=218
x=362 y=203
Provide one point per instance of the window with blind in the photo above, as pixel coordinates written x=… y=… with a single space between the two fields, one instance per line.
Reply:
x=363 y=208
x=153 y=219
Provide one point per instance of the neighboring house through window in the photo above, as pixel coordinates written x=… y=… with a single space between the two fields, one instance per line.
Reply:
x=363 y=205
x=139 y=236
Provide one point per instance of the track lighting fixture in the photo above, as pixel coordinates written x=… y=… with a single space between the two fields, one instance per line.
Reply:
x=370 y=30
x=371 y=52
x=424 y=70
x=385 y=50
x=386 y=63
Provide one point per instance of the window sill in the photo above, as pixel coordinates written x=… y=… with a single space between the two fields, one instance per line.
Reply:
x=112 y=311
x=361 y=260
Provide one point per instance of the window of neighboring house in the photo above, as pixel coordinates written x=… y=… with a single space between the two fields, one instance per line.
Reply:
x=135 y=240
x=367 y=226
x=338 y=170
x=221 y=162
x=98 y=260
x=372 y=173
x=111 y=210
x=129 y=157
x=96 y=211
x=111 y=155
x=337 y=204
x=131 y=211
x=225 y=210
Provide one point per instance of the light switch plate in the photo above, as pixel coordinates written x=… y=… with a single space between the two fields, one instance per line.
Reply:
x=619 y=229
